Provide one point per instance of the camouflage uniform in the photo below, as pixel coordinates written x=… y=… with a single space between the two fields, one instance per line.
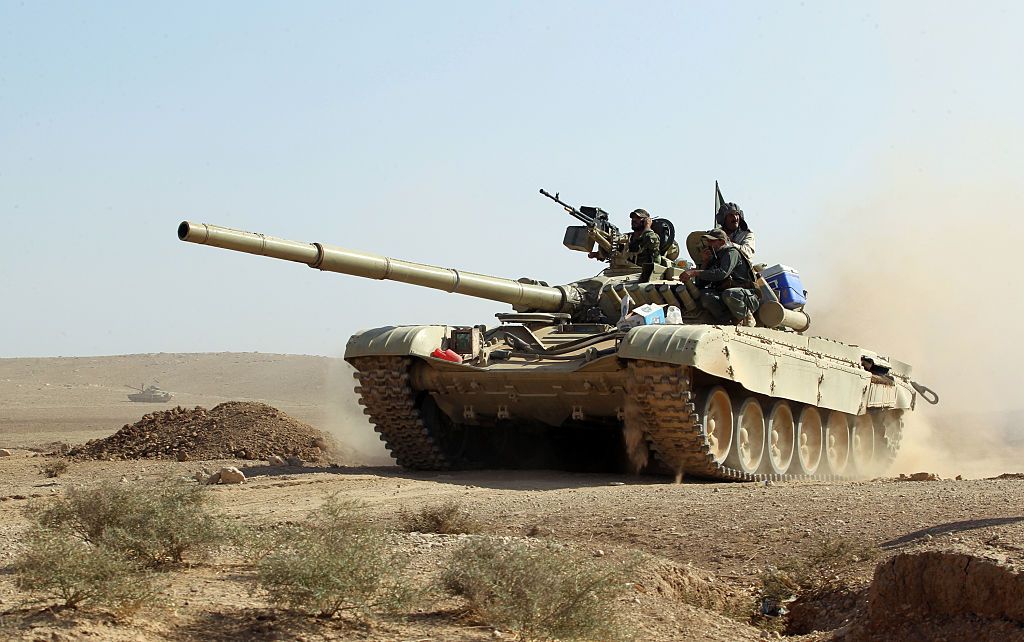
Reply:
x=646 y=245
x=727 y=286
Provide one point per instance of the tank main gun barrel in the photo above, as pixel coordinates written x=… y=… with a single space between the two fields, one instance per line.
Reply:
x=522 y=296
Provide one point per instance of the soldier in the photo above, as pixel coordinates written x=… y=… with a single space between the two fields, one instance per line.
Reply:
x=726 y=282
x=730 y=218
x=644 y=242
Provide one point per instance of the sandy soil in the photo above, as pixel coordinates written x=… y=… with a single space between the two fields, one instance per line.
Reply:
x=721 y=538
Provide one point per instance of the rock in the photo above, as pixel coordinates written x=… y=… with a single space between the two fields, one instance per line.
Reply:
x=181 y=455
x=200 y=477
x=231 y=475
x=920 y=477
x=294 y=461
x=213 y=479
x=274 y=460
x=4 y=452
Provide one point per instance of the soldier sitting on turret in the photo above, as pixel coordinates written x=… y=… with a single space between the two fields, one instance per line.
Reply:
x=644 y=242
x=726 y=282
x=730 y=218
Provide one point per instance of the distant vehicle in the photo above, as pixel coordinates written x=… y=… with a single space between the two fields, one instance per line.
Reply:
x=149 y=394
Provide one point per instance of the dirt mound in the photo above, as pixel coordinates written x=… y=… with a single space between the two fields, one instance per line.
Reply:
x=236 y=429
x=924 y=595
x=930 y=584
x=695 y=587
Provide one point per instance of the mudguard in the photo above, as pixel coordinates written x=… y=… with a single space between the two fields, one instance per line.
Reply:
x=396 y=341
x=810 y=370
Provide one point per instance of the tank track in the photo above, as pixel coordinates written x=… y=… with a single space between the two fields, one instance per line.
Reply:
x=891 y=436
x=660 y=397
x=390 y=403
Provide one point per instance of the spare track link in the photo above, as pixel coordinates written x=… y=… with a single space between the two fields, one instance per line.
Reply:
x=664 y=403
x=390 y=403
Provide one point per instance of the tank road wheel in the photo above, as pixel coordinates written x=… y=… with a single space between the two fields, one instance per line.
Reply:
x=888 y=435
x=837 y=442
x=716 y=422
x=809 y=439
x=781 y=438
x=748 y=436
x=862 y=444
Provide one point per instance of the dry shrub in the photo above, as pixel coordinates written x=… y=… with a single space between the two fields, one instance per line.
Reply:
x=335 y=561
x=58 y=564
x=55 y=468
x=447 y=518
x=540 y=591
x=152 y=524
x=798 y=575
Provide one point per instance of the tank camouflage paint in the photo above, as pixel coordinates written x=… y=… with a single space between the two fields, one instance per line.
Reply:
x=557 y=384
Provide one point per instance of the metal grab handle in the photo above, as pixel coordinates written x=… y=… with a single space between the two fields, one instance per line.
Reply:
x=926 y=393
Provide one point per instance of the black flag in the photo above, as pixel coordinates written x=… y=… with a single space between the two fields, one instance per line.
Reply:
x=719 y=202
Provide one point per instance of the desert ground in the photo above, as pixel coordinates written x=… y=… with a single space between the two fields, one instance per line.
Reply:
x=889 y=559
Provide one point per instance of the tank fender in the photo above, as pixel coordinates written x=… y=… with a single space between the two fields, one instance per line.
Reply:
x=396 y=341
x=819 y=372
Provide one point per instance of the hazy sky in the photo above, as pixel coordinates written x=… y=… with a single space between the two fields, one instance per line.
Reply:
x=424 y=130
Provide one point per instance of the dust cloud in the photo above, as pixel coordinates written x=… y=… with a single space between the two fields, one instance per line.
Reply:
x=927 y=273
x=345 y=420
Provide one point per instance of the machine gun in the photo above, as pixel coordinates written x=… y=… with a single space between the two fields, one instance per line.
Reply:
x=594 y=217
x=612 y=245
x=597 y=231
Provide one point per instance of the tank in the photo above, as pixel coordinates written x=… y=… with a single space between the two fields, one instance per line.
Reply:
x=572 y=378
x=149 y=394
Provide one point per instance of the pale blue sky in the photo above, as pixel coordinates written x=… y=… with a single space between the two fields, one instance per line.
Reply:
x=424 y=130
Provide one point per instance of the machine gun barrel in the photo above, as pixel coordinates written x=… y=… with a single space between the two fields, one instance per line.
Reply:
x=575 y=213
x=523 y=296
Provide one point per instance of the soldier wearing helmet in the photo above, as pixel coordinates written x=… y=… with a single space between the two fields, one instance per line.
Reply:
x=730 y=218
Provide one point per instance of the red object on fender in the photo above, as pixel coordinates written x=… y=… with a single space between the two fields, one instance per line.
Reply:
x=447 y=355
x=451 y=355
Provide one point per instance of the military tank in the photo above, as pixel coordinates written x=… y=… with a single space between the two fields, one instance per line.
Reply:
x=563 y=380
x=148 y=394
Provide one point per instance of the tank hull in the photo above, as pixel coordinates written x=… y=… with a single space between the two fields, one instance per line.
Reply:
x=148 y=397
x=642 y=396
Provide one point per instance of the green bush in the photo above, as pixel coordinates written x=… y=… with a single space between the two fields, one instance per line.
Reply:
x=334 y=561
x=59 y=565
x=539 y=592
x=152 y=523
x=448 y=517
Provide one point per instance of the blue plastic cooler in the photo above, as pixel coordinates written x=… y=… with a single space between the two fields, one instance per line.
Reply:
x=786 y=283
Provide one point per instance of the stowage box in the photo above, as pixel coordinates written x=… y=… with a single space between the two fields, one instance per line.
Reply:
x=786 y=283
